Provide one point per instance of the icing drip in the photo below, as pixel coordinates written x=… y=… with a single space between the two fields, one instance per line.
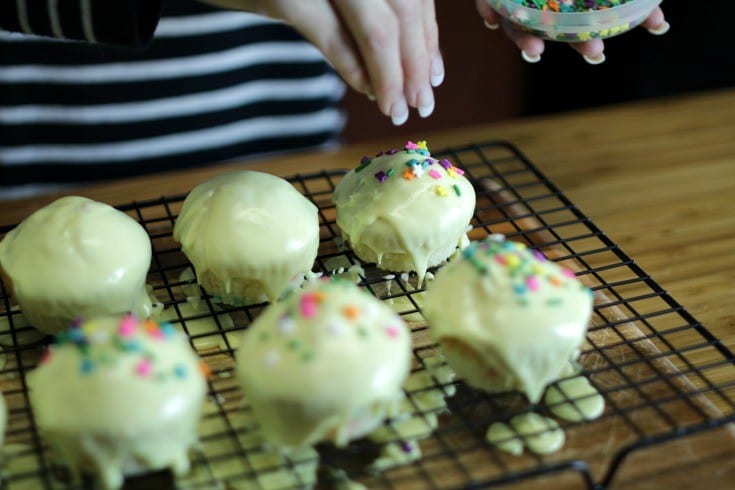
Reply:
x=539 y=434
x=575 y=400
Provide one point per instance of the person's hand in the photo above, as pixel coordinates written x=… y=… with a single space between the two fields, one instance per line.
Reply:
x=532 y=48
x=386 y=49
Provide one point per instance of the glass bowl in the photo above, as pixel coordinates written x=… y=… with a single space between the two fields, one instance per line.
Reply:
x=575 y=26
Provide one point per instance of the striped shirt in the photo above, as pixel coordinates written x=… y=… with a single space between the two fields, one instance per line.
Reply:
x=151 y=90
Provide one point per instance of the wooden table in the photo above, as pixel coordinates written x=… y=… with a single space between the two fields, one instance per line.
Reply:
x=657 y=176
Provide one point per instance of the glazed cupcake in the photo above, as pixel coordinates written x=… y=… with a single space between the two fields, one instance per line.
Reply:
x=324 y=364
x=248 y=236
x=76 y=257
x=116 y=397
x=507 y=318
x=404 y=210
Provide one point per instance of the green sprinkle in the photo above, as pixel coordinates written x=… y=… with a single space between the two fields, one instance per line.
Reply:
x=364 y=163
x=307 y=356
x=362 y=331
x=293 y=344
x=554 y=302
x=390 y=172
x=456 y=190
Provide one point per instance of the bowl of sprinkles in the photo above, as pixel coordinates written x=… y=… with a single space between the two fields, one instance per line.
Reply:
x=575 y=20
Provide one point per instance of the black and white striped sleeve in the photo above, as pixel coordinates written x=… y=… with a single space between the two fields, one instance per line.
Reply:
x=115 y=22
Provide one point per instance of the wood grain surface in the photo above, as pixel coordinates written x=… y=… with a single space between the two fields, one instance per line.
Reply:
x=657 y=176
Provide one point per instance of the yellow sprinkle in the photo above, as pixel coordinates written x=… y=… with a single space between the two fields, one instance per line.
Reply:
x=512 y=260
x=441 y=191
x=421 y=145
x=452 y=173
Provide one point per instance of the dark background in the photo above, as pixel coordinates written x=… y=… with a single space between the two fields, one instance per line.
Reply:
x=487 y=81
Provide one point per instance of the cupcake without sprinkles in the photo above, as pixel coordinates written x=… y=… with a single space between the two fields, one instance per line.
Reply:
x=248 y=235
x=507 y=318
x=116 y=397
x=76 y=257
x=575 y=20
x=404 y=210
x=326 y=364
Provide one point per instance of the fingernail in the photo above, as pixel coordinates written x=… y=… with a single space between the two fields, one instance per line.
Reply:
x=530 y=59
x=370 y=94
x=492 y=27
x=595 y=61
x=426 y=103
x=437 y=70
x=661 y=29
x=399 y=113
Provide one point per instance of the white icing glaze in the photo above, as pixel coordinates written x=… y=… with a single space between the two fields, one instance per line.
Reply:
x=247 y=234
x=402 y=224
x=539 y=434
x=260 y=467
x=575 y=400
x=325 y=363
x=117 y=397
x=76 y=257
x=202 y=328
x=507 y=318
x=418 y=414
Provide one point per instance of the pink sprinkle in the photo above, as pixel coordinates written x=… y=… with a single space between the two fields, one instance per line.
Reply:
x=127 y=326
x=458 y=170
x=567 y=272
x=411 y=146
x=500 y=259
x=308 y=306
x=392 y=331
x=533 y=283
x=144 y=368
x=46 y=356
x=435 y=175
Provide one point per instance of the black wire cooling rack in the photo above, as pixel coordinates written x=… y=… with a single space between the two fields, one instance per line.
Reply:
x=651 y=360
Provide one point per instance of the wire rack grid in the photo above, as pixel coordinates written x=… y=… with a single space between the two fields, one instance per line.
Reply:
x=649 y=358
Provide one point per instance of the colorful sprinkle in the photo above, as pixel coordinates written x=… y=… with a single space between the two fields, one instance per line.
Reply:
x=127 y=326
x=87 y=366
x=435 y=175
x=364 y=162
x=381 y=176
x=408 y=174
x=441 y=191
x=272 y=358
x=533 y=283
x=568 y=273
x=286 y=325
x=421 y=145
x=417 y=170
x=180 y=371
x=392 y=151
x=144 y=368
x=457 y=190
x=412 y=162
x=350 y=312
x=446 y=164
x=45 y=356
x=411 y=146
x=391 y=171
x=205 y=370
x=392 y=331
